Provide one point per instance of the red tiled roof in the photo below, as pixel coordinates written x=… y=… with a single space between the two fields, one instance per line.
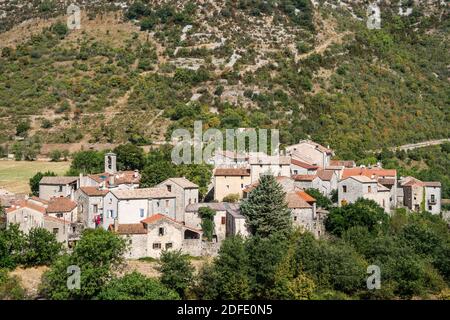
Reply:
x=25 y=204
x=369 y=172
x=294 y=200
x=232 y=172
x=304 y=177
x=130 y=228
x=303 y=164
x=325 y=175
x=94 y=191
x=306 y=196
x=60 y=204
x=344 y=163
x=121 y=177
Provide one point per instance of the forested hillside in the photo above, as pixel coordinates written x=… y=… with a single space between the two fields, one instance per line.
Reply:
x=138 y=69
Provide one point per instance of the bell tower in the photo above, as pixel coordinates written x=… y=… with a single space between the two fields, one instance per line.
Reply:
x=110 y=163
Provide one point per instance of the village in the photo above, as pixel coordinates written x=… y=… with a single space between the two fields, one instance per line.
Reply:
x=168 y=215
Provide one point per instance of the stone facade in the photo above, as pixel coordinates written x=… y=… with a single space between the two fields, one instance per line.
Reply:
x=185 y=192
x=352 y=188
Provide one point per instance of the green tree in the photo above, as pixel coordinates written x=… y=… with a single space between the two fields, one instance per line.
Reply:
x=231 y=270
x=55 y=155
x=34 y=181
x=156 y=173
x=129 y=157
x=22 y=128
x=363 y=212
x=99 y=255
x=265 y=254
x=42 y=248
x=10 y=287
x=207 y=215
x=266 y=209
x=12 y=246
x=322 y=201
x=177 y=273
x=87 y=162
x=135 y=286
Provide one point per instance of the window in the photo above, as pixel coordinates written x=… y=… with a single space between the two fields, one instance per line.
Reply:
x=141 y=212
x=344 y=188
x=295 y=171
x=430 y=208
x=156 y=246
x=260 y=165
x=224 y=220
x=242 y=177
x=169 y=188
x=60 y=188
x=95 y=208
x=295 y=218
x=169 y=245
x=110 y=213
x=369 y=189
x=433 y=198
x=242 y=186
x=55 y=231
x=161 y=231
x=167 y=203
x=228 y=186
x=157 y=203
x=190 y=200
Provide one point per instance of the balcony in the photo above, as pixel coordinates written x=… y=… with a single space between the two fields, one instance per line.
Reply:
x=432 y=201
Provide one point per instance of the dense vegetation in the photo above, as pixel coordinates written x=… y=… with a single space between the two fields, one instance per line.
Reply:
x=370 y=89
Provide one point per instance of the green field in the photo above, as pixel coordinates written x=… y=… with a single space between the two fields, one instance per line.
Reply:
x=14 y=175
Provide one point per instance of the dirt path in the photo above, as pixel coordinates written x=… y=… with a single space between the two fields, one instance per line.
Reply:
x=412 y=146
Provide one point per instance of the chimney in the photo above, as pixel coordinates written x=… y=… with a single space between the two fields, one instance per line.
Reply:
x=111 y=180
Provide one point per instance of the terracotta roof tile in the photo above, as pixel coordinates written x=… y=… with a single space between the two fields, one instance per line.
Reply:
x=369 y=172
x=344 y=163
x=94 y=191
x=294 y=200
x=16 y=205
x=58 y=180
x=131 y=228
x=303 y=164
x=325 y=175
x=306 y=196
x=60 y=204
x=232 y=172
x=304 y=177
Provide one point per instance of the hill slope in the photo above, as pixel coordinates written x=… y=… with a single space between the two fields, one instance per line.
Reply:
x=310 y=69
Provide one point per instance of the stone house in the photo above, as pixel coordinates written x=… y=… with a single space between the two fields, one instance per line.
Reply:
x=193 y=218
x=311 y=153
x=51 y=187
x=226 y=158
x=149 y=237
x=185 y=191
x=90 y=205
x=325 y=181
x=417 y=195
x=63 y=208
x=236 y=223
x=300 y=167
x=264 y=164
x=303 y=208
x=354 y=187
x=229 y=181
x=134 y=205
x=386 y=177
x=32 y=213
